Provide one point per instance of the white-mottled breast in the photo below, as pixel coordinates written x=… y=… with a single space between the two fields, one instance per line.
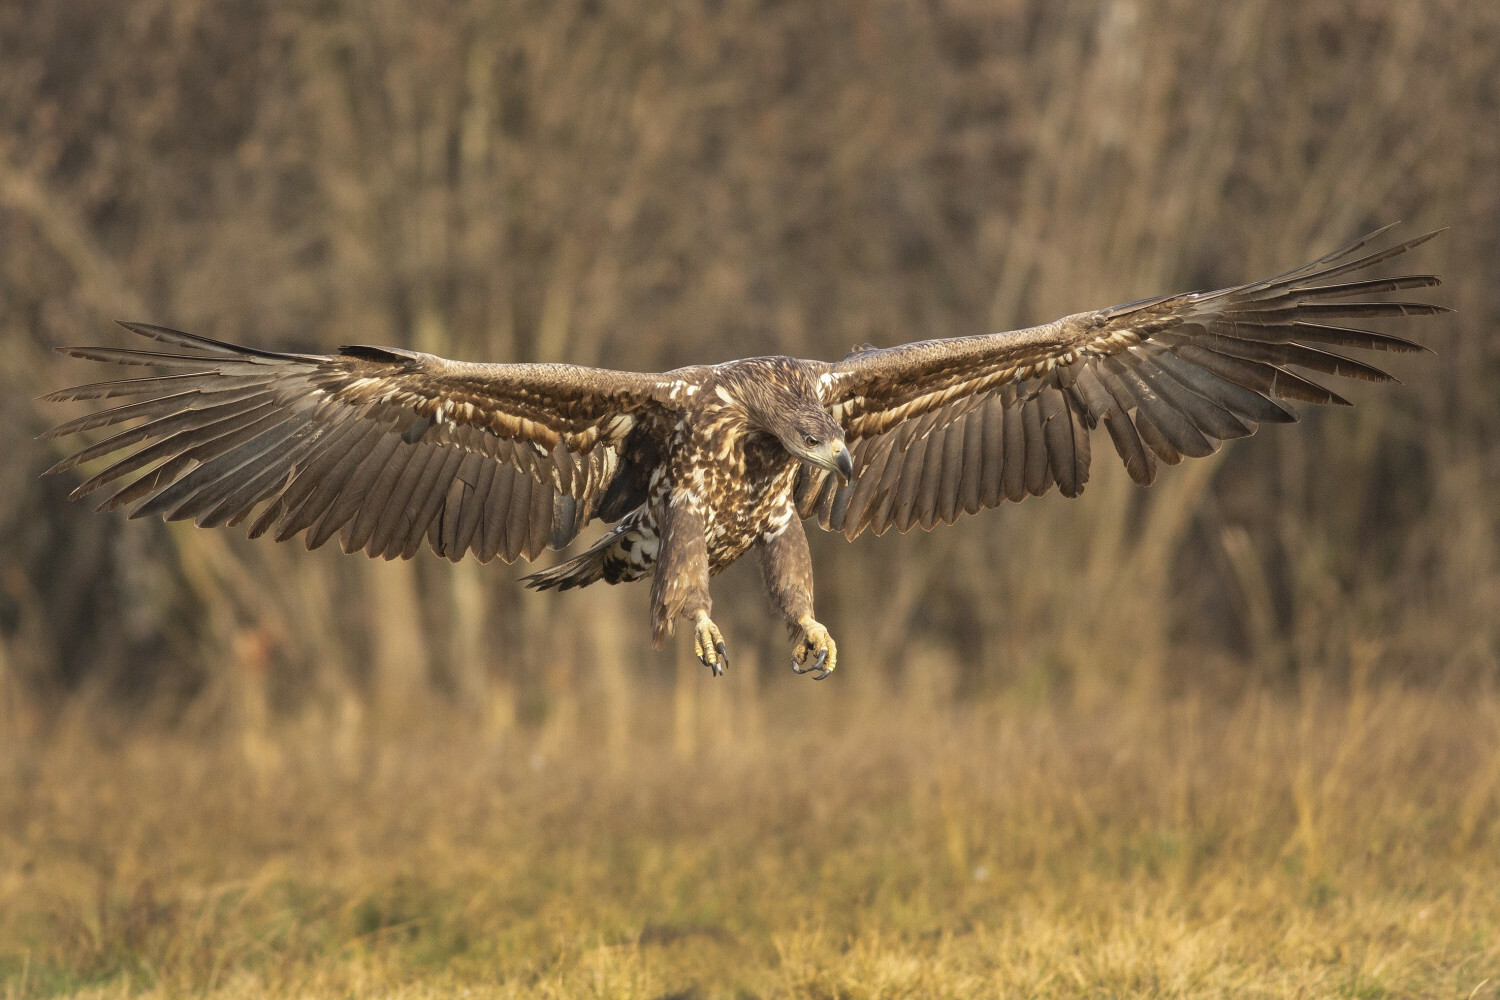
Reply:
x=743 y=493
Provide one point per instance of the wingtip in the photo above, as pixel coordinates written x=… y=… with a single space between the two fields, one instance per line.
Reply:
x=148 y=330
x=1416 y=241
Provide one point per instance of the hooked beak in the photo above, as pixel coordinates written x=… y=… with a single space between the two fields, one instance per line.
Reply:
x=834 y=457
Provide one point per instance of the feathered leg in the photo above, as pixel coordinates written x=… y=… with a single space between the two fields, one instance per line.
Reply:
x=680 y=586
x=787 y=567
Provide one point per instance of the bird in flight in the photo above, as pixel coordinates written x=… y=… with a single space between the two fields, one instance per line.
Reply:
x=388 y=448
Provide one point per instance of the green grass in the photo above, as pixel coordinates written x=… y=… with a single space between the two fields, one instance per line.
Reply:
x=1280 y=846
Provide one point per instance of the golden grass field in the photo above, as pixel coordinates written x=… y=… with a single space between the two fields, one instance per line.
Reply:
x=1299 y=843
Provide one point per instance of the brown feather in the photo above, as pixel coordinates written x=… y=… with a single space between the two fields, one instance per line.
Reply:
x=229 y=453
x=1212 y=421
x=318 y=480
x=1260 y=376
x=860 y=510
x=540 y=525
x=442 y=533
x=1154 y=439
x=952 y=466
x=242 y=474
x=1237 y=399
x=930 y=492
x=426 y=501
x=1303 y=357
x=497 y=512
x=392 y=518
x=992 y=481
x=908 y=486
x=340 y=500
x=1015 y=450
x=517 y=518
x=173 y=433
x=969 y=492
x=1057 y=433
x=473 y=480
x=1038 y=467
x=1175 y=429
x=372 y=502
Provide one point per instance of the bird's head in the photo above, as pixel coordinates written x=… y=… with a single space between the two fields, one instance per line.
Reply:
x=812 y=436
x=780 y=399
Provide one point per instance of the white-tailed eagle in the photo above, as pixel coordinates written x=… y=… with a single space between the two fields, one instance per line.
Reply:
x=388 y=448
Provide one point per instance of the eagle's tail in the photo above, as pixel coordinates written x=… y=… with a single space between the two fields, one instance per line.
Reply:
x=627 y=552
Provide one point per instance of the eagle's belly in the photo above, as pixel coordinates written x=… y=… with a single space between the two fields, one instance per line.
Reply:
x=741 y=501
x=749 y=509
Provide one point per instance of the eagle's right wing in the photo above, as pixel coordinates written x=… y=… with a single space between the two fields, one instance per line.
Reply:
x=384 y=446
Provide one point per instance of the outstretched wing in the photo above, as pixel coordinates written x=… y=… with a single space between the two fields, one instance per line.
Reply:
x=945 y=426
x=381 y=445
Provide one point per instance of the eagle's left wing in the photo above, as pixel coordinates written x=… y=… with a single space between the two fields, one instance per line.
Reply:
x=947 y=426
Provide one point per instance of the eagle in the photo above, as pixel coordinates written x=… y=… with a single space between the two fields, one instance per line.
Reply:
x=389 y=448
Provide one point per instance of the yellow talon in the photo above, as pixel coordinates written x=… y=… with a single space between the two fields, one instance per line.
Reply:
x=708 y=644
x=816 y=646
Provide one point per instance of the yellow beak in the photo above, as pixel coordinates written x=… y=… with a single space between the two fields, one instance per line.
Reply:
x=835 y=457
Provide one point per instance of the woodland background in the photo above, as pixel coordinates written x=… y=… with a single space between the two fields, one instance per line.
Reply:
x=644 y=184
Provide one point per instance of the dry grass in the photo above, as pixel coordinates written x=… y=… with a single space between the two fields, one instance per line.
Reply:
x=645 y=183
x=1309 y=844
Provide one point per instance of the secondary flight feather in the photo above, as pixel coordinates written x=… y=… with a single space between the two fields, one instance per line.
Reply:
x=392 y=449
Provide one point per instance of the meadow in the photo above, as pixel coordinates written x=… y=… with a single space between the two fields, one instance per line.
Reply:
x=789 y=844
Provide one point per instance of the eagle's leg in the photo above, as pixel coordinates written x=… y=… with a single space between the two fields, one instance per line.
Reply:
x=787 y=566
x=680 y=587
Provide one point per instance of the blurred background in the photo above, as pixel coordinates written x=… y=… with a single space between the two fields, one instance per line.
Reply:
x=643 y=185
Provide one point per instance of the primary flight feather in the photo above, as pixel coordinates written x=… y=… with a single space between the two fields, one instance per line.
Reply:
x=389 y=448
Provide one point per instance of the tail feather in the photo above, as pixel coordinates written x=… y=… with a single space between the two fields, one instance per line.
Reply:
x=580 y=571
x=625 y=553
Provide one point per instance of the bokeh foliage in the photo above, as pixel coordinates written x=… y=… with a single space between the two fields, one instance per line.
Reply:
x=645 y=184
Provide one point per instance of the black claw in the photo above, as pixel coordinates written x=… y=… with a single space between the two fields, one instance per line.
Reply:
x=816 y=664
x=823 y=676
x=723 y=658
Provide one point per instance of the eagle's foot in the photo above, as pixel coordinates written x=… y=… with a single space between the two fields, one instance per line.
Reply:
x=815 y=650
x=708 y=644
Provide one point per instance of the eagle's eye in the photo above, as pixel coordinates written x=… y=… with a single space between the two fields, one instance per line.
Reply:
x=810 y=441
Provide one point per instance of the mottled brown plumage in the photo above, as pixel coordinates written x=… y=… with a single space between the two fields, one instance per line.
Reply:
x=389 y=448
